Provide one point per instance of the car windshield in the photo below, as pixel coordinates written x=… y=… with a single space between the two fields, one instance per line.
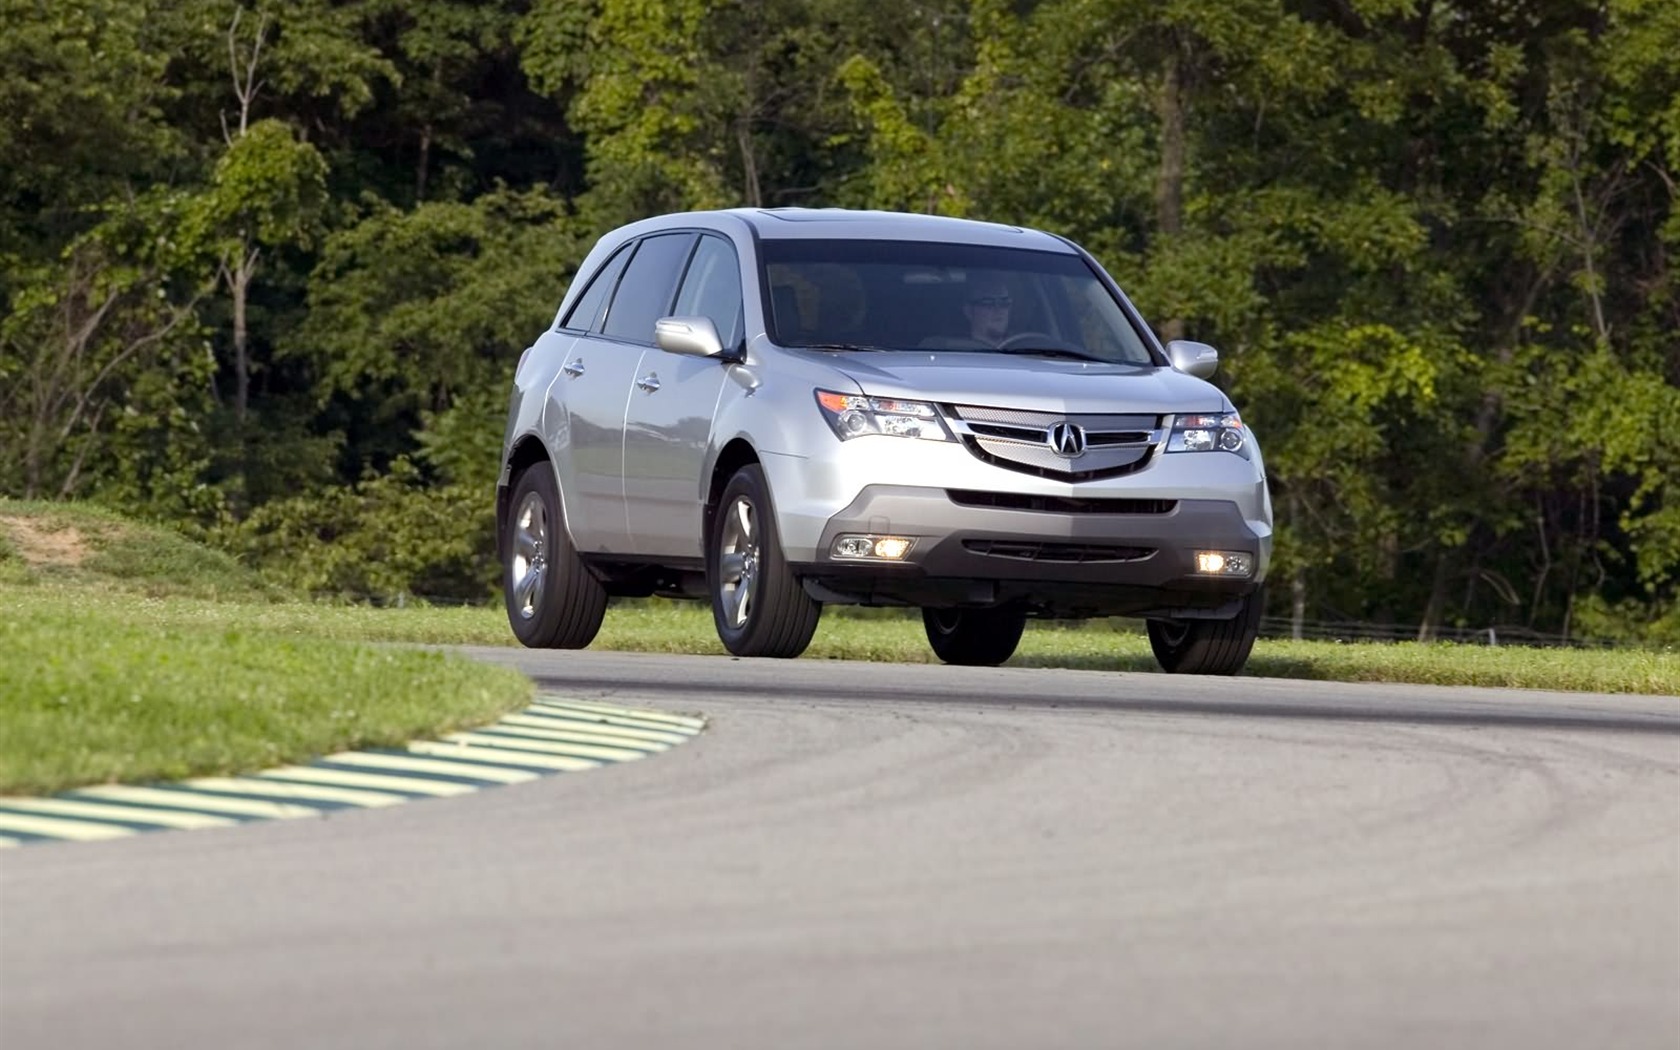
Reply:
x=963 y=298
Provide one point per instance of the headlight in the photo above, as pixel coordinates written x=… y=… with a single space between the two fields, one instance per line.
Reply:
x=1219 y=432
x=854 y=416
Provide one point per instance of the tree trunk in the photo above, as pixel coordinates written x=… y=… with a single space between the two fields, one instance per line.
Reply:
x=32 y=463
x=239 y=285
x=1437 y=600
x=425 y=162
x=749 y=163
x=1169 y=189
x=1297 y=604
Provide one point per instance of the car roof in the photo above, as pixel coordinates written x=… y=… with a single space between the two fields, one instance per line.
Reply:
x=848 y=224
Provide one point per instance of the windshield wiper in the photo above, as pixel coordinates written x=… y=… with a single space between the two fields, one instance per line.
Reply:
x=843 y=346
x=1051 y=351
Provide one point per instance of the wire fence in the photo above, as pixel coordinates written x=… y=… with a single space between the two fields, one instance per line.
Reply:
x=1494 y=634
x=1275 y=627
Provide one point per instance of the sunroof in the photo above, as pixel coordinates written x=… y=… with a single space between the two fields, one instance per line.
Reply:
x=819 y=215
x=846 y=215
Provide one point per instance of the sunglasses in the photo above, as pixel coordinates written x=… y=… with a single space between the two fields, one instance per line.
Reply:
x=990 y=300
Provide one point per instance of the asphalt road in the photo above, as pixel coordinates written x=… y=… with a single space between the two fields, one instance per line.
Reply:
x=858 y=855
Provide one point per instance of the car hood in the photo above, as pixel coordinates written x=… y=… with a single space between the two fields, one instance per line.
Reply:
x=1031 y=383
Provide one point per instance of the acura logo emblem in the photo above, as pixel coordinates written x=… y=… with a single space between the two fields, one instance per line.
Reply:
x=1066 y=440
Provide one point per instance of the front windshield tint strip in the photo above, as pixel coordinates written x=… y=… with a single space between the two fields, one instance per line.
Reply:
x=585 y=314
x=930 y=296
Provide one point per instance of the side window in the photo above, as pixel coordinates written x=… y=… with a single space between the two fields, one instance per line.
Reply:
x=712 y=288
x=585 y=314
x=644 y=295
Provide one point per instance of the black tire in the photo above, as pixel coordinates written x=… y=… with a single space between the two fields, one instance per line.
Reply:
x=1208 y=646
x=553 y=601
x=758 y=605
x=974 y=637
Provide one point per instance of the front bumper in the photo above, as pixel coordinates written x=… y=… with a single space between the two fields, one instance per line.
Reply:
x=1059 y=558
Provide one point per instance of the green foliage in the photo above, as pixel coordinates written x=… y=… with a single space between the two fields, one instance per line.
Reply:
x=463 y=443
x=440 y=300
x=1647 y=623
x=265 y=266
x=311 y=56
x=268 y=189
x=651 y=109
x=683 y=103
x=1643 y=103
x=83 y=93
x=101 y=357
x=383 y=539
x=13 y=569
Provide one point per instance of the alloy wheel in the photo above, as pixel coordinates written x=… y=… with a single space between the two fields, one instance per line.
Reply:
x=738 y=555
x=530 y=555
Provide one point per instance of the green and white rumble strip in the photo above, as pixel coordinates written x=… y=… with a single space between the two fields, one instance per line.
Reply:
x=553 y=735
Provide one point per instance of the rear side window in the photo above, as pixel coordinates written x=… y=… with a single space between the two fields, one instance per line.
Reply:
x=585 y=314
x=712 y=288
x=644 y=295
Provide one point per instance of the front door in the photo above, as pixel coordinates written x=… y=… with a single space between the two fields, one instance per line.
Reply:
x=668 y=424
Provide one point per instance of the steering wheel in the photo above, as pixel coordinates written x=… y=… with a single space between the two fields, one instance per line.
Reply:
x=1043 y=340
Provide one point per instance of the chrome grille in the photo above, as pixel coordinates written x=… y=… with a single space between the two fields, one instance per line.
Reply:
x=1019 y=440
x=1041 y=420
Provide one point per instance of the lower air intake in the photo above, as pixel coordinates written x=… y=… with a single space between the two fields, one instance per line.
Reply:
x=1065 y=553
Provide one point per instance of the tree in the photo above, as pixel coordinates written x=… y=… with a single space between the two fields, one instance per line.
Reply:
x=105 y=335
x=409 y=311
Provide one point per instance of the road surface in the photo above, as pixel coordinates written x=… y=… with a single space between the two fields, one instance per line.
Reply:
x=865 y=855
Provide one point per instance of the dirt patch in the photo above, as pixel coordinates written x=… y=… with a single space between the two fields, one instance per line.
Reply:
x=38 y=545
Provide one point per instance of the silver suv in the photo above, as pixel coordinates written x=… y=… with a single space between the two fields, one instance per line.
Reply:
x=777 y=409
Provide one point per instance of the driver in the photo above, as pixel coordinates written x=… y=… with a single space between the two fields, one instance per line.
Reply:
x=987 y=308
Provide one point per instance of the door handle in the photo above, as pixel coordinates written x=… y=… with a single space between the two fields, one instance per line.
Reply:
x=573 y=368
x=649 y=382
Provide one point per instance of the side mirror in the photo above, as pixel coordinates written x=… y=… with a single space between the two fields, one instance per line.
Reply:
x=695 y=336
x=1191 y=358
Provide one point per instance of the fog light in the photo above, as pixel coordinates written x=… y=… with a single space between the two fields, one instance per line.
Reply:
x=1224 y=563
x=892 y=547
x=885 y=548
x=853 y=547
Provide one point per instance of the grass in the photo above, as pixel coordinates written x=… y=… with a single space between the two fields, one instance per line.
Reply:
x=1117 y=646
x=69 y=544
x=659 y=626
x=132 y=654
x=129 y=653
x=91 y=692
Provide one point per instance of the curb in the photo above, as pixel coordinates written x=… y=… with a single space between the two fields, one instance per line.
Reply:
x=552 y=735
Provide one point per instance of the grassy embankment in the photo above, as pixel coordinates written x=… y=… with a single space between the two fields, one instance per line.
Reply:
x=102 y=677
x=127 y=653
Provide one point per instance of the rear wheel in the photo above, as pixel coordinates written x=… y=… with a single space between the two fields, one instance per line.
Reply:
x=1208 y=646
x=974 y=637
x=553 y=602
x=758 y=605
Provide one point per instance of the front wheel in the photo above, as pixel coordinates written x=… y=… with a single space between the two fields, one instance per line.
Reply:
x=974 y=637
x=1208 y=646
x=758 y=605
x=553 y=602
